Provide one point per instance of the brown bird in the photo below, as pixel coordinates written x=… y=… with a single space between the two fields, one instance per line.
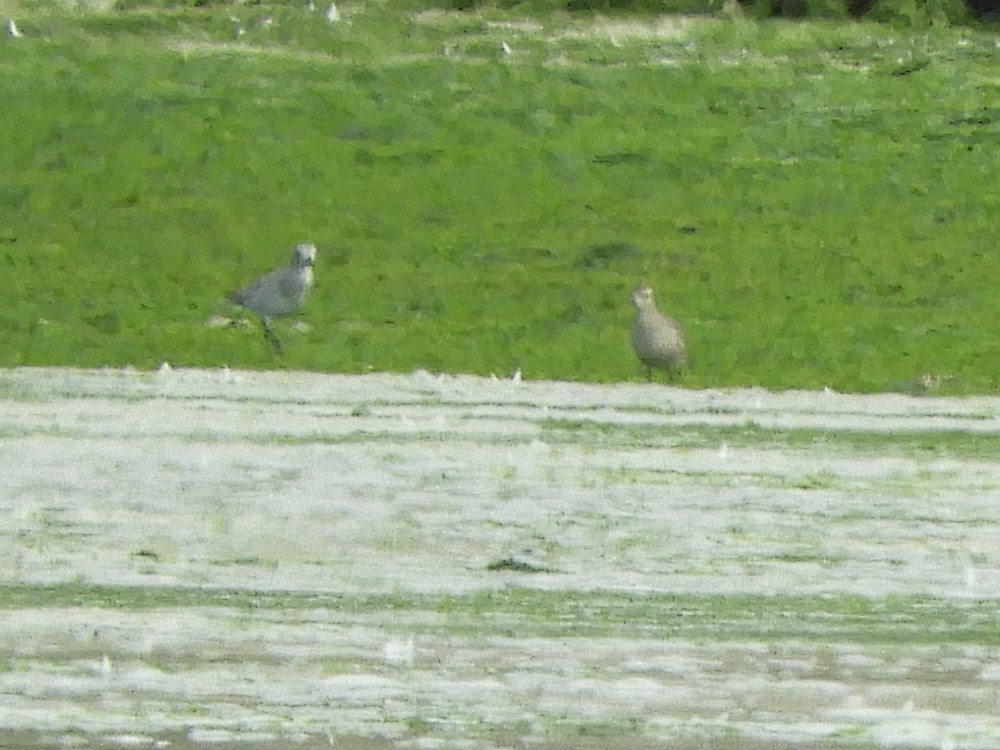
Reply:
x=279 y=292
x=658 y=340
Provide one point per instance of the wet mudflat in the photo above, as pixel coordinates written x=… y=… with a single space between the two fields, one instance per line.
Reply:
x=229 y=559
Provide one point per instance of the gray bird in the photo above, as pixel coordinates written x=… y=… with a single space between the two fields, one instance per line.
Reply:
x=658 y=340
x=279 y=292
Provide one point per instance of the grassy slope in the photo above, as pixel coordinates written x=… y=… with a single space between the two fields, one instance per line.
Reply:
x=816 y=203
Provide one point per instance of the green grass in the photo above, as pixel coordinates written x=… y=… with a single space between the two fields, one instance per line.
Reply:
x=535 y=613
x=815 y=202
x=912 y=443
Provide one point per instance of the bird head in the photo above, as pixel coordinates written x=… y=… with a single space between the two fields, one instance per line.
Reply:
x=304 y=256
x=642 y=298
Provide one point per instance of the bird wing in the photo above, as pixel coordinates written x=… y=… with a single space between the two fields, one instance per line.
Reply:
x=291 y=286
x=257 y=291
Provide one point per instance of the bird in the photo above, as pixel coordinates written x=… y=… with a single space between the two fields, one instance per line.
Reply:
x=279 y=292
x=12 y=29
x=657 y=340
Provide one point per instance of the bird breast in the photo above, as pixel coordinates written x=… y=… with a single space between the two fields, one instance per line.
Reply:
x=657 y=339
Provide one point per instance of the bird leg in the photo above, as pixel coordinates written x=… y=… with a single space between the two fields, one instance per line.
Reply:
x=269 y=334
